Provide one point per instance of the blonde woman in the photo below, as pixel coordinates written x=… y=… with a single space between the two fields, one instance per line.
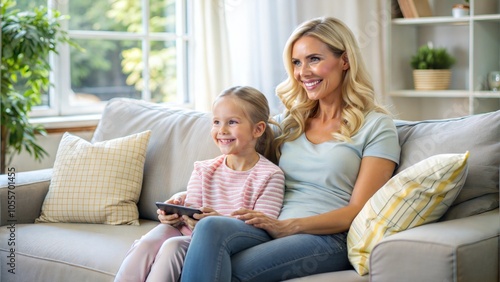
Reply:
x=337 y=147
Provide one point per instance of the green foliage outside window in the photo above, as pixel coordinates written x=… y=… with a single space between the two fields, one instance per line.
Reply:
x=118 y=62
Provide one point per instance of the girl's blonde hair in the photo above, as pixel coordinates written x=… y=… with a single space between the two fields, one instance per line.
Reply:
x=358 y=96
x=256 y=107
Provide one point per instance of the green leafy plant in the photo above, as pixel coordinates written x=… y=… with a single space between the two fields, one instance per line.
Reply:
x=27 y=39
x=428 y=57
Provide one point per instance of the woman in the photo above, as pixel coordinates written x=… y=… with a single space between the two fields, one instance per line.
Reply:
x=336 y=148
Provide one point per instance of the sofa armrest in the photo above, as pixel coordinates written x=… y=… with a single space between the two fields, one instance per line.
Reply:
x=22 y=195
x=464 y=249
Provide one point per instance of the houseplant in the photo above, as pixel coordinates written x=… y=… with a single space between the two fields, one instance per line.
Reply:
x=431 y=68
x=27 y=39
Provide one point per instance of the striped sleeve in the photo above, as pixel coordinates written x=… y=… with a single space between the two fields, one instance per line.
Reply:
x=194 y=190
x=270 y=199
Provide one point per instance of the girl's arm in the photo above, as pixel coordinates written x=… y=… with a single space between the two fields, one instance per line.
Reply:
x=194 y=189
x=373 y=174
x=271 y=199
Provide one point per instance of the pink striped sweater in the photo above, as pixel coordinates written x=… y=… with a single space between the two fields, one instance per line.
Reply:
x=215 y=185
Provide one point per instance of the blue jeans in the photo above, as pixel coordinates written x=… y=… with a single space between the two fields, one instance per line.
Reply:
x=227 y=249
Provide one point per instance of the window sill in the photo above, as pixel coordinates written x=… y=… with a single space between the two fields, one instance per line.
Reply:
x=61 y=124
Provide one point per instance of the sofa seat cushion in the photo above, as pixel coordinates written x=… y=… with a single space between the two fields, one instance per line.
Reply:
x=455 y=250
x=55 y=251
x=479 y=134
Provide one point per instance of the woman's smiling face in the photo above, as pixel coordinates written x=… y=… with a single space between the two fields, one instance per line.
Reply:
x=317 y=68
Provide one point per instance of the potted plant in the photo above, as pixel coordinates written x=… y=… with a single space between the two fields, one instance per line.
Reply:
x=27 y=39
x=431 y=68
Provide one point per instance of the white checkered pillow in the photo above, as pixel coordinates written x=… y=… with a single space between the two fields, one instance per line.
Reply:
x=96 y=183
x=417 y=195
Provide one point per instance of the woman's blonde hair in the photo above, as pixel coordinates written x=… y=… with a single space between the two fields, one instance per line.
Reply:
x=358 y=96
x=256 y=107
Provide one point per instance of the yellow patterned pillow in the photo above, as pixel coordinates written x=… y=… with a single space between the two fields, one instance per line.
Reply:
x=417 y=195
x=96 y=183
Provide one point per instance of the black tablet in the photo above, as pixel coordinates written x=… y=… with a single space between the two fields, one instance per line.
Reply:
x=180 y=210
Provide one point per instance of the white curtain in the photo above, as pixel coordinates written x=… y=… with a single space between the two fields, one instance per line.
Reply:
x=212 y=68
x=255 y=32
x=258 y=30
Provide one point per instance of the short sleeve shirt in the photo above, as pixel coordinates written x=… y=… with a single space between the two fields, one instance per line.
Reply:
x=321 y=177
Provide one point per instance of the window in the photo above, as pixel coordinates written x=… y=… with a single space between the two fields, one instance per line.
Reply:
x=137 y=49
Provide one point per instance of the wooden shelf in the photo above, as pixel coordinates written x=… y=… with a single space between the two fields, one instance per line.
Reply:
x=445 y=20
x=430 y=93
x=474 y=40
x=487 y=18
x=486 y=94
x=444 y=94
x=431 y=21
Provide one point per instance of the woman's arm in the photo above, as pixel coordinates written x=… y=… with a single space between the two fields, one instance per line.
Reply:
x=373 y=174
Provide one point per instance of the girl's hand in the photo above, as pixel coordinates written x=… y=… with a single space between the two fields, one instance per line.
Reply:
x=206 y=212
x=172 y=219
x=276 y=228
x=177 y=198
x=191 y=222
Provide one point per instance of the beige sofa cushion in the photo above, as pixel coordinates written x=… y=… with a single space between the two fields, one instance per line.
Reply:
x=96 y=183
x=418 y=195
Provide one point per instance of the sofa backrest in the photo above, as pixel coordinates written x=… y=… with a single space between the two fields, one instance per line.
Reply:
x=179 y=137
x=480 y=135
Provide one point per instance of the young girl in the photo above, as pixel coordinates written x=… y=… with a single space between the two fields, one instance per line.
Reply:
x=240 y=178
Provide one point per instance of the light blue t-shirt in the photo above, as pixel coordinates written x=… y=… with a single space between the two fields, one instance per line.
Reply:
x=320 y=177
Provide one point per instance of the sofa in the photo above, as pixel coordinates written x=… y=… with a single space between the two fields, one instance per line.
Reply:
x=463 y=245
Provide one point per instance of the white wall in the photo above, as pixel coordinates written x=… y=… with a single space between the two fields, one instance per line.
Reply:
x=25 y=162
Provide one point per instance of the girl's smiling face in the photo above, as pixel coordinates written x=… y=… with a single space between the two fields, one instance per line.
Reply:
x=232 y=131
x=317 y=68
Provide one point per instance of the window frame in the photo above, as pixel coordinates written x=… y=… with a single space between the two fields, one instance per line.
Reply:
x=58 y=100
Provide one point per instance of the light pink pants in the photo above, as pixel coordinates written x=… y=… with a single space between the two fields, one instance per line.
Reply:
x=157 y=256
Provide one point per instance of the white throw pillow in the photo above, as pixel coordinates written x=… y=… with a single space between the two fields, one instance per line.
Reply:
x=417 y=195
x=96 y=183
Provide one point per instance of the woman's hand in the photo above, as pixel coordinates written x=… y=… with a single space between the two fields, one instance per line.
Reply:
x=276 y=228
